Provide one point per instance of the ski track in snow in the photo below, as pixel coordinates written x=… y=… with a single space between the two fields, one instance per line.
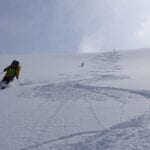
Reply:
x=100 y=139
x=122 y=136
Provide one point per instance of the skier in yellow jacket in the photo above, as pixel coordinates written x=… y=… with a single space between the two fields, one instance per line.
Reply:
x=12 y=71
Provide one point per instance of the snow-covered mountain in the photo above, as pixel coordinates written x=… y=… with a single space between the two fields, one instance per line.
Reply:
x=60 y=105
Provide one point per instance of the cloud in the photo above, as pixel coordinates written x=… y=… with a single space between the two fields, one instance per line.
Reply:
x=144 y=31
x=77 y=25
x=142 y=35
x=91 y=43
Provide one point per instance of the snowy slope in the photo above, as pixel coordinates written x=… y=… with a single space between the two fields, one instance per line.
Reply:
x=59 y=105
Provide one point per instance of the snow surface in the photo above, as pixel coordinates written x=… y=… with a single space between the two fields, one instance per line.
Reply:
x=59 y=105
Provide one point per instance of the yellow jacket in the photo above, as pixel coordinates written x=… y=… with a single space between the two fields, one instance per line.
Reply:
x=12 y=72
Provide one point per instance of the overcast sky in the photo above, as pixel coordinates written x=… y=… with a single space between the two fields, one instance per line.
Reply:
x=31 y=26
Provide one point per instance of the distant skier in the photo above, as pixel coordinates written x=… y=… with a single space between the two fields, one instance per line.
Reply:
x=82 y=64
x=12 y=71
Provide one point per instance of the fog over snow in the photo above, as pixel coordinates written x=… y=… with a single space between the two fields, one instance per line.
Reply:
x=59 y=105
x=35 y=26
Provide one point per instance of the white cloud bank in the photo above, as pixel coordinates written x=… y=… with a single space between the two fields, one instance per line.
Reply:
x=73 y=25
x=91 y=44
x=143 y=33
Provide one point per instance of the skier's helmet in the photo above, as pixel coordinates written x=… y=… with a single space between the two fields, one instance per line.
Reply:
x=15 y=63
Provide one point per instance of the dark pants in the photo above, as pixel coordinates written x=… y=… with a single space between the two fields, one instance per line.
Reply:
x=6 y=80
